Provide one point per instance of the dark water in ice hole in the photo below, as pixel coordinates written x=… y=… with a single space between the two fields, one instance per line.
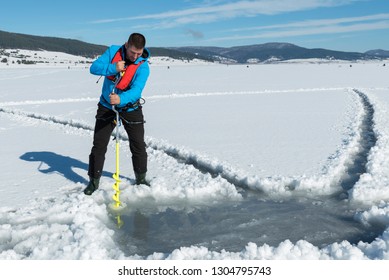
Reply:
x=230 y=226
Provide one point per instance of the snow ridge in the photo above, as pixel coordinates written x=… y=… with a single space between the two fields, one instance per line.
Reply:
x=49 y=119
x=328 y=182
x=373 y=185
x=367 y=140
x=47 y=101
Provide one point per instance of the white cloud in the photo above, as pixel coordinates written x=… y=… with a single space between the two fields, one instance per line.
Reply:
x=211 y=13
x=316 y=22
x=312 y=27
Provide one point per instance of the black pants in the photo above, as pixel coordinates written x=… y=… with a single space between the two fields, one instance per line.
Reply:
x=133 y=123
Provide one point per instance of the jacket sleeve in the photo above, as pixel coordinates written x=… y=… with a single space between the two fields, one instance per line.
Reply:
x=102 y=65
x=137 y=85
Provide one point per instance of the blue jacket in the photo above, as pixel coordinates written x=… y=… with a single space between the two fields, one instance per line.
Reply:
x=103 y=67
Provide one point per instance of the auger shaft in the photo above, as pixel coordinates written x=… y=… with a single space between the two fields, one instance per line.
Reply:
x=116 y=187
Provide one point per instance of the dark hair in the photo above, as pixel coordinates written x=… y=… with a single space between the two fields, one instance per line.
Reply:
x=137 y=40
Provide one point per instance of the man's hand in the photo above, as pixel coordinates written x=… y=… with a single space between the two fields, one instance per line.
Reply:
x=114 y=99
x=120 y=66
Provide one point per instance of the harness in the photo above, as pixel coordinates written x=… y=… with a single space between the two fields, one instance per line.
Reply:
x=127 y=75
x=125 y=79
x=135 y=105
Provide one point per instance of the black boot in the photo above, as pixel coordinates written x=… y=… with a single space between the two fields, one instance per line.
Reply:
x=92 y=186
x=141 y=179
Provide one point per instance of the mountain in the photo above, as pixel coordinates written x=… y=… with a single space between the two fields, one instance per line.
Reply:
x=263 y=53
x=179 y=54
x=381 y=53
x=31 y=42
x=277 y=52
x=10 y=40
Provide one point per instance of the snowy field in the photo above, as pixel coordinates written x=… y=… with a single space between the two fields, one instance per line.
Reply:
x=281 y=161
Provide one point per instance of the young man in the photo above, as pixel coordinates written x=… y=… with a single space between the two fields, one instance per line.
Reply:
x=126 y=71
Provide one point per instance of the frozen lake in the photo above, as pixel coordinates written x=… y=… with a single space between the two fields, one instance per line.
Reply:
x=237 y=155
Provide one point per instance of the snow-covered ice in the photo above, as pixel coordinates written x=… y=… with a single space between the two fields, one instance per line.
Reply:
x=285 y=161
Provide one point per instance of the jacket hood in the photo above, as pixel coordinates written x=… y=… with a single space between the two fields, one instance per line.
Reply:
x=146 y=53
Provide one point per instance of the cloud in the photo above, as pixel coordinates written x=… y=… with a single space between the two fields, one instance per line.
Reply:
x=195 y=34
x=313 y=23
x=212 y=13
x=312 y=27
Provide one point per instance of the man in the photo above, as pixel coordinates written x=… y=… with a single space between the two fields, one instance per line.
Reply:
x=126 y=71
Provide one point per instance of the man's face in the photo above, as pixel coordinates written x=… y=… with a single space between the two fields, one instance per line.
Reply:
x=133 y=53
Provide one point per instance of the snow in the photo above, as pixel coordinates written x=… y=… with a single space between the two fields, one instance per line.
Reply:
x=14 y=57
x=245 y=162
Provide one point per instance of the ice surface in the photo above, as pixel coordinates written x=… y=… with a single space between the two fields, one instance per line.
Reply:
x=259 y=162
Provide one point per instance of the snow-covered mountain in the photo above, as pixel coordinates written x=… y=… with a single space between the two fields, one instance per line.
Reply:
x=12 y=57
x=259 y=53
x=20 y=57
x=274 y=52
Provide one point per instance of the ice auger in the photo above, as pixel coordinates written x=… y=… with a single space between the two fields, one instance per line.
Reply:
x=116 y=187
x=116 y=196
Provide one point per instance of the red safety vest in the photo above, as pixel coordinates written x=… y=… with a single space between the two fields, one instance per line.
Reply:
x=127 y=74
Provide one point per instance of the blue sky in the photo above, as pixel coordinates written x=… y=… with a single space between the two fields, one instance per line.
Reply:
x=345 y=25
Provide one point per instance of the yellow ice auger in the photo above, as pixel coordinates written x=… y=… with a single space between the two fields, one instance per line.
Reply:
x=116 y=187
x=117 y=204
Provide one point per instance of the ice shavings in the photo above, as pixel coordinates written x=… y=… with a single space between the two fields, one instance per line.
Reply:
x=373 y=186
x=71 y=227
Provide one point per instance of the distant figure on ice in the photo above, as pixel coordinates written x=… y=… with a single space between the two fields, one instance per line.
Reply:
x=128 y=63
